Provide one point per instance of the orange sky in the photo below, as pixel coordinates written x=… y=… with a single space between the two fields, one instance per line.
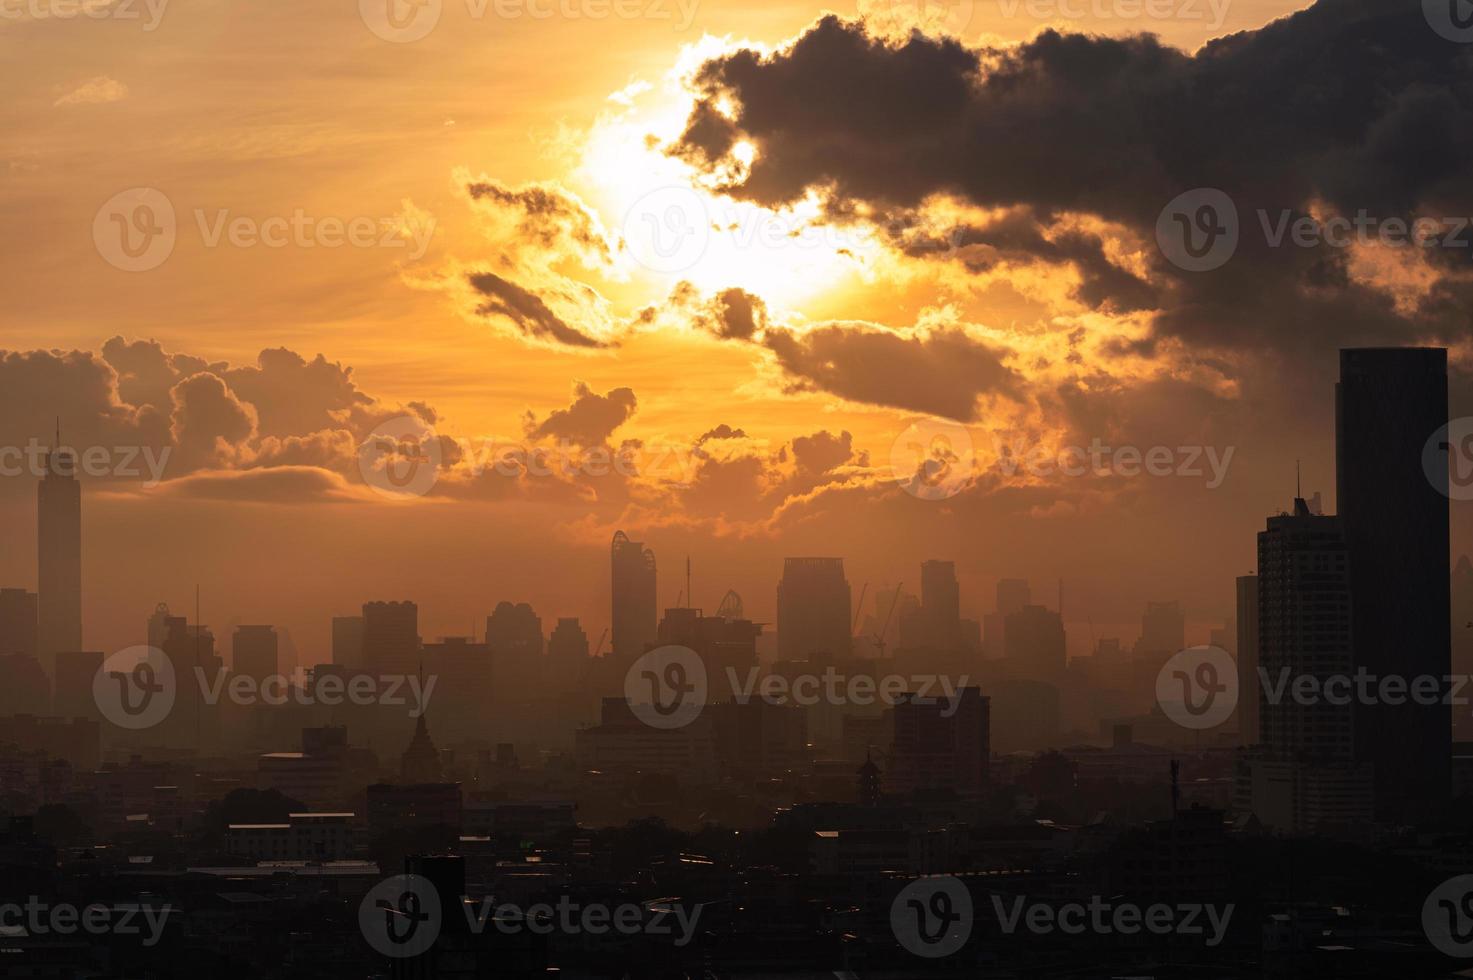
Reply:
x=258 y=110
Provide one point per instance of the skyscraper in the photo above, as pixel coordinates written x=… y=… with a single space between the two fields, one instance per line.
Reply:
x=634 y=607
x=1163 y=630
x=1012 y=595
x=941 y=745
x=347 y=641
x=59 y=557
x=1305 y=776
x=568 y=644
x=1389 y=403
x=813 y=609
x=1247 y=656
x=1036 y=641
x=18 y=619
x=253 y=652
x=940 y=605
x=391 y=638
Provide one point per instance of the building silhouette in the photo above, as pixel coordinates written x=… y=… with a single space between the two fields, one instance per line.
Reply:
x=940 y=606
x=634 y=611
x=727 y=647
x=1163 y=631
x=568 y=644
x=1305 y=777
x=941 y=745
x=390 y=637
x=1036 y=641
x=19 y=617
x=813 y=609
x=1247 y=657
x=253 y=652
x=420 y=762
x=71 y=689
x=1393 y=504
x=1012 y=595
x=59 y=557
x=347 y=641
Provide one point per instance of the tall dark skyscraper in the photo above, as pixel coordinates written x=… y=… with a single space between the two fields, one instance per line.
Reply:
x=18 y=618
x=813 y=609
x=59 y=557
x=635 y=618
x=1305 y=775
x=391 y=638
x=940 y=605
x=1247 y=657
x=1388 y=404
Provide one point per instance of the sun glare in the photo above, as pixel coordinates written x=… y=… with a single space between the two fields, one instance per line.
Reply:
x=670 y=227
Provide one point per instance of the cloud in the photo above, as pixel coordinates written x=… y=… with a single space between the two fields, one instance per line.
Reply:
x=95 y=91
x=526 y=311
x=941 y=371
x=589 y=420
x=277 y=485
x=1068 y=126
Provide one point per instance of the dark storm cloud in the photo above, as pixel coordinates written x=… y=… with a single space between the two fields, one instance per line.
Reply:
x=589 y=420
x=526 y=311
x=1355 y=103
x=941 y=372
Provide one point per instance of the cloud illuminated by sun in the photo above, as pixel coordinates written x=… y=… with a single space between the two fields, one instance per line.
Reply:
x=673 y=227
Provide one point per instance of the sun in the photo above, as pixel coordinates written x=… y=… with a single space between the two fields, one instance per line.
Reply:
x=672 y=227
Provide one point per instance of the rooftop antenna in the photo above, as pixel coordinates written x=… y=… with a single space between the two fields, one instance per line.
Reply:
x=689 y=598
x=1297 y=492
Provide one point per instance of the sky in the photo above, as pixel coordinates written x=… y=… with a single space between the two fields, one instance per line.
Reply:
x=766 y=279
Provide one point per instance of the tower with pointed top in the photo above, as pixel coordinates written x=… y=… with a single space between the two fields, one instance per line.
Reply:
x=59 y=556
x=869 y=782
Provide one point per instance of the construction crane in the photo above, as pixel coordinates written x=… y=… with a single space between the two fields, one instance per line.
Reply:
x=880 y=637
x=858 y=609
x=601 y=637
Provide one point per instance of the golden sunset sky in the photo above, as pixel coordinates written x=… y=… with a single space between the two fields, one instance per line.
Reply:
x=521 y=141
